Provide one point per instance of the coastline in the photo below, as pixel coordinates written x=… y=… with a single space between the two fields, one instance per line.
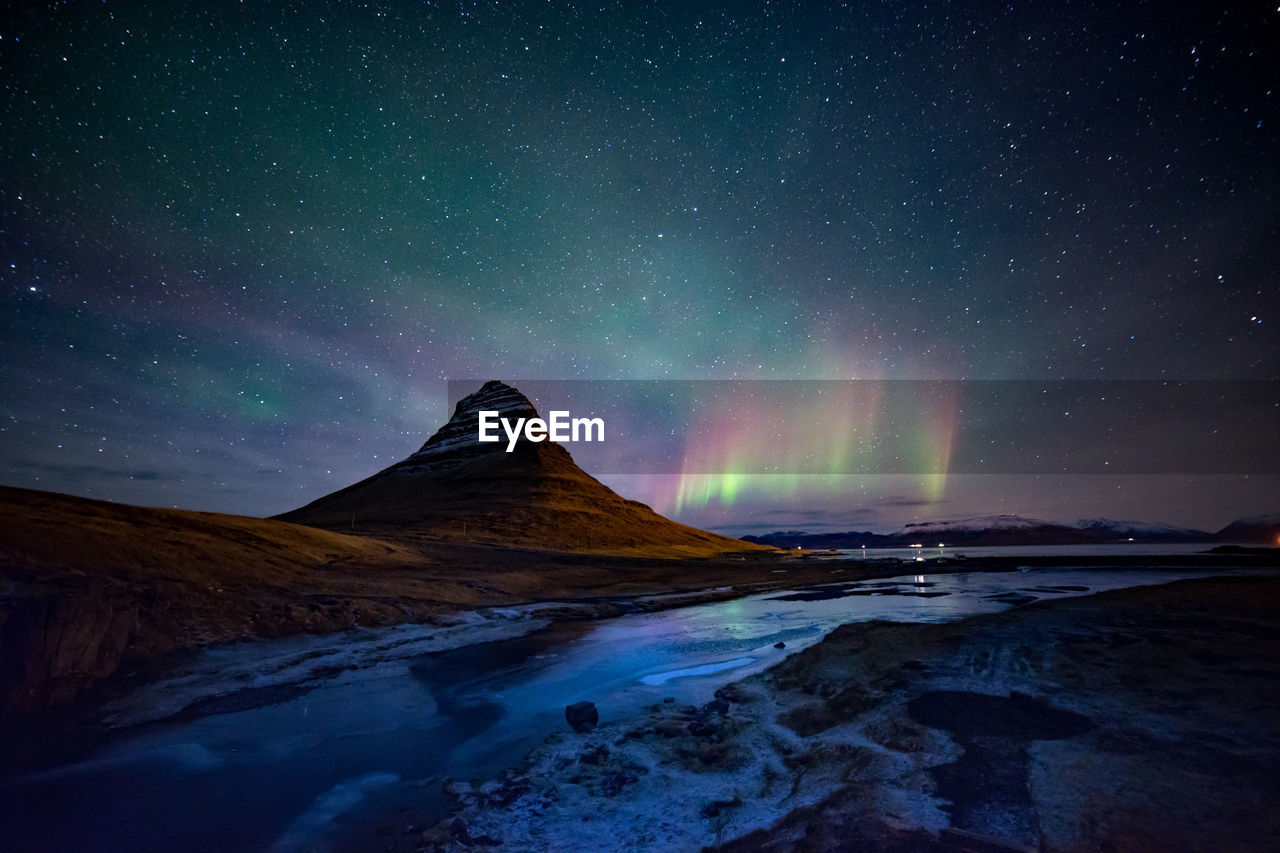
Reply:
x=91 y=591
x=268 y=675
x=199 y=674
x=1161 y=701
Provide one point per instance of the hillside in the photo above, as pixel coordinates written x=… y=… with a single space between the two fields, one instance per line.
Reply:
x=456 y=489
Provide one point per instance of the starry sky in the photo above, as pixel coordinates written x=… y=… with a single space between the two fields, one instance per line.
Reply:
x=247 y=245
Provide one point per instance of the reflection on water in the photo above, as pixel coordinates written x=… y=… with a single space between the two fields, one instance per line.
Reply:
x=331 y=768
x=1117 y=549
x=341 y=798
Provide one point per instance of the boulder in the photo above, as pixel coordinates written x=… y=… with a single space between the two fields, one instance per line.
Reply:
x=582 y=716
x=731 y=693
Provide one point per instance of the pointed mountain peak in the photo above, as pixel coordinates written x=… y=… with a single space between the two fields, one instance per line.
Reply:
x=457 y=439
x=495 y=396
x=457 y=488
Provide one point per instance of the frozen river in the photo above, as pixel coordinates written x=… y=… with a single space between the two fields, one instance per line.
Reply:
x=344 y=741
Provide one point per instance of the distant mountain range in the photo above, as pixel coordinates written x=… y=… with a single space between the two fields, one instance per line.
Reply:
x=1017 y=530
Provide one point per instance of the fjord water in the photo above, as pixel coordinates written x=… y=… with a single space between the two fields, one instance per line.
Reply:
x=357 y=760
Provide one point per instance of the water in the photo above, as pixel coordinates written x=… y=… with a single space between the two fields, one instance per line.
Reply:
x=1118 y=549
x=353 y=762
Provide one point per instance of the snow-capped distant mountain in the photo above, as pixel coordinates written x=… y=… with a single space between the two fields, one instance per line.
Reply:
x=981 y=530
x=982 y=522
x=1006 y=529
x=1009 y=529
x=1143 y=531
x=1259 y=520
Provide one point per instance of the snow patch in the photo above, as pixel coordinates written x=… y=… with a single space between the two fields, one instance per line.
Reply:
x=704 y=669
x=985 y=522
x=225 y=670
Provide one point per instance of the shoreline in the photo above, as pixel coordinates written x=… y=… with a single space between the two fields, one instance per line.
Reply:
x=240 y=676
x=1168 y=688
x=93 y=590
x=117 y=701
x=679 y=740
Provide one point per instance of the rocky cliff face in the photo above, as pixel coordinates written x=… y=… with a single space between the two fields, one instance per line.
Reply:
x=455 y=444
x=455 y=488
x=55 y=643
x=88 y=585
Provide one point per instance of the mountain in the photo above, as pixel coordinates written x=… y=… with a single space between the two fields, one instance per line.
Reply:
x=1141 y=531
x=790 y=539
x=981 y=530
x=90 y=586
x=455 y=488
x=994 y=530
x=1259 y=529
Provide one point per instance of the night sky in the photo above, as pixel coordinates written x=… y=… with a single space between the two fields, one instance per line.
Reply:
x=245 y=245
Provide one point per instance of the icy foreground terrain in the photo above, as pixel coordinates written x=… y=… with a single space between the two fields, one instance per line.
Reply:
x=307 y=660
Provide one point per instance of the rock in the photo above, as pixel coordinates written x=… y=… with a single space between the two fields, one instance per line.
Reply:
x=731 y=693
x=54 y=645
x=669 y=729
x=779 y=645
x=716 y=706
x=458 y=830
x=700 y=728
x=716 y=807
x=455 y=478
x=614 y=783
x=582 y=716
x=595 y=756
x=670 y=700
x=463 y=792
x=705 y=755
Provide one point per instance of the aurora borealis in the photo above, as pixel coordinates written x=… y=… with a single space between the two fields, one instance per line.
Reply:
x=246 y=244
